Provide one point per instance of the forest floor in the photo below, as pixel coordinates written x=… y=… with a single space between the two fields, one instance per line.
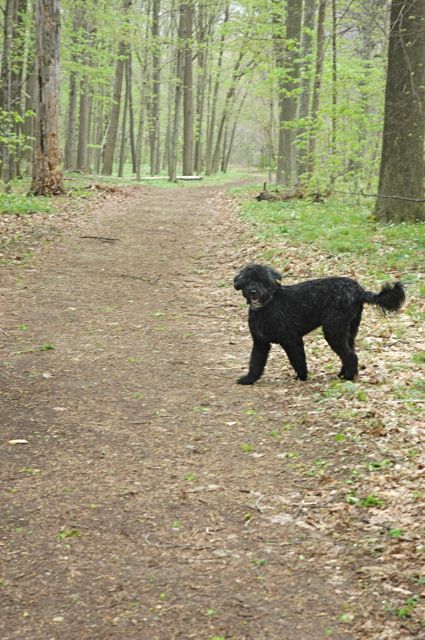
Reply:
x=147 y=496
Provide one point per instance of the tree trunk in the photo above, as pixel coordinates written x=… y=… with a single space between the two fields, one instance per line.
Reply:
x=402 y=159
x=70 y=159
x=98 y=129
x=227 y=108
x=123 y=131
x=167 y=141
x=287 y=54
x=47 y=174
x=141 y=124
x=17 y=80
x=155 y=92
x=320 y=52
x=187 y=9
x=334 y=81
x=111 y=137
x=131 y=131
x=84 y=127
x=228 y=146
x=70 y=151
x=305 y=81
x=5 y=90
x=200 y=88
x=139 y=143
x=28 y=127
x=213 y=106
x=174 y=131
x=27 y=92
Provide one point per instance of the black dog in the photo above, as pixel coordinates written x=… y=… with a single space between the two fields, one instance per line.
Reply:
x=284 y=314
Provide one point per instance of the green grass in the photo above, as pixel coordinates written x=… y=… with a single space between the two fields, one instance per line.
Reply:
x=21 y=204
x=338 y=228
x=207 y=181
x=16 y=201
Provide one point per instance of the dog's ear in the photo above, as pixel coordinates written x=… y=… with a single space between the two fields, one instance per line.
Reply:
x=238 y=281
x=275 y=275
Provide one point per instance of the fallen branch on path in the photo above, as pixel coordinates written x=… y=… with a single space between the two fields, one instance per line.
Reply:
x=102 y=239
x=144 y=278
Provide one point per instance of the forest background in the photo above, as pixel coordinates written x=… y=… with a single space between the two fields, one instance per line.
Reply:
x=297 y=88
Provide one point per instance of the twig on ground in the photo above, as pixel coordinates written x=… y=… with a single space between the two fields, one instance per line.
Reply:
x=144 y=278
x=101 y=238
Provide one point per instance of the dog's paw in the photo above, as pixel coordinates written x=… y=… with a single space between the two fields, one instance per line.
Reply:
x=245 y=380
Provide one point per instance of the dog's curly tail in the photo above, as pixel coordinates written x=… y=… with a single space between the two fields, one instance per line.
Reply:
x=389 y=299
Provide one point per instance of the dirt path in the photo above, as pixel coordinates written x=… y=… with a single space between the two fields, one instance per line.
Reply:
x=156 y=499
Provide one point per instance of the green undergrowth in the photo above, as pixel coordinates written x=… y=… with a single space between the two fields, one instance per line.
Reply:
x=217 y=179
x=21 y=204
x=77 y=185
x=338 y=228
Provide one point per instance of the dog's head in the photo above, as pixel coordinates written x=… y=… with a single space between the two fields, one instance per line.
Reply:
x=258 y=284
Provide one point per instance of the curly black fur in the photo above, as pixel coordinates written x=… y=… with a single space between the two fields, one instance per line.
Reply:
x=284 y=314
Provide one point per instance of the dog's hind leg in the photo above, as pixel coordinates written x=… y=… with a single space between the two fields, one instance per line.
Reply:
x=352 y=333
x=338 y=338
x=296 y=356
x=354 y=327
x=257 y=362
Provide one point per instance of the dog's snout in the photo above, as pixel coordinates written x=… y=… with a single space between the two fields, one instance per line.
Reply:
x=253 y=292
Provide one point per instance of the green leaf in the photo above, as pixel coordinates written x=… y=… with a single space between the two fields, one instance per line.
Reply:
x=340 y=437
x=70 y=533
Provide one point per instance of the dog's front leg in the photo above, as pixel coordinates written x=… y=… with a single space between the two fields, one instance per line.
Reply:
x=257 y=362
x=296 y=356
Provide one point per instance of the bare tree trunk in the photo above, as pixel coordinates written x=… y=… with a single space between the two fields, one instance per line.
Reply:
x=111 y=137
x=17 y=79
x=402 y=160
x=334 y=80
x=305 y=80
x=172 y=161
x=187 y=9
x=371 y=144
x=155 y=92
x=47 y=174
x=287 y=53
x=320 y=52
x=167 y=141
x=28 y=128
x=228 y=104
x=123 y=131
x=228 y=145
x=98 y=129
x=5 y=89
x=70 y=159
x=70 y=151
x=128 y=79
x=213 y=109
x=84 y=126
x=144 y=61
x=200 y=88
x=27 y=91
x=139 y=142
